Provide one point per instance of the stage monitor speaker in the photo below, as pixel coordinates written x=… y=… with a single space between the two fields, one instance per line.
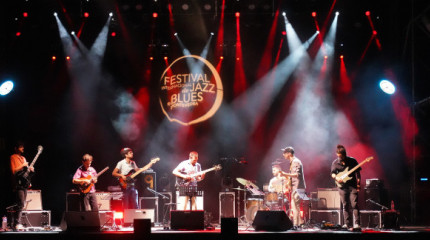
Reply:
x=34 y=200
x=131 y=214
x=226 y=205
x=83 y=221
x=328 y=198
x=35 y=218
x=271 y=221
x=187 y=220
x=73 y=203
x=142 y=228
x=229 y=228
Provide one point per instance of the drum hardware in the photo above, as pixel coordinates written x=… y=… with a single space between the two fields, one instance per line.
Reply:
x=251 y=205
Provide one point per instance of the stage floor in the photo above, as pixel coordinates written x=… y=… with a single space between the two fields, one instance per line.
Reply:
x=158 y=233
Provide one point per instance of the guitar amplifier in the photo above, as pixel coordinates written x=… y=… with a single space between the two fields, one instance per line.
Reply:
x=146 y=179
x=131 y=214
x=328 y=198
x=150 y=203
x=34 y=200
x=103 y=200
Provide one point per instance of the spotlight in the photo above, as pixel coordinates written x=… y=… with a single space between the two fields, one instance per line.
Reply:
x=6 y=87
x=387 y=87
x=25 y=14
x=68 y=58
x=337 y=13
x=154 y=15
x=367 y=13
x=165 y=58
x=18 y=34
x=212 y=34
x=55 y=14
x=341 y=57
x=113 y=34
x=237 y=59
x=221 y=57
x=318 y=32
x=314 y=14
x=374 y=32
x=73 y=33
x=151 y=58
x=284 y=33
x=237 y=14
x=54 y=58
x=86 y=14
x=175 y=34
x=284 y=14
x=325 y=57
x=185 y=7
x=110 y=14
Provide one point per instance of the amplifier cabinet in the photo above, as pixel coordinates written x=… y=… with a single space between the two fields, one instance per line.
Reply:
x=371 y=219
x=328 y=198
x=150 y=203
x=333 y=216
x=36 y=218
x=180 y=200
x=187 y=220
x=34 y=200
x=227 y=207
x=131 y=214
x=73 y=201
x=103 y=201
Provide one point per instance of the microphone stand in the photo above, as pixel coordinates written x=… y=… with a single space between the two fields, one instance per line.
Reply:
x=157 y=193
x=377 y=204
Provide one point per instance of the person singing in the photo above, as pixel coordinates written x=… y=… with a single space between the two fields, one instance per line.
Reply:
x=183 y=172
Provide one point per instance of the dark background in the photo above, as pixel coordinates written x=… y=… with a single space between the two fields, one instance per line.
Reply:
x=72 y=111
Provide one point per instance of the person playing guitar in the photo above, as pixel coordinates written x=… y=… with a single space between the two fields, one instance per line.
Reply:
x=184 y=173
x=86 y=176
x=123 y=171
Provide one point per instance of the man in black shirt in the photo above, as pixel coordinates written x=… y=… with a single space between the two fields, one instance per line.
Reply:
x=348 y=189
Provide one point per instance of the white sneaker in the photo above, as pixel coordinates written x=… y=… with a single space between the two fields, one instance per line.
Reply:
x=356 y=226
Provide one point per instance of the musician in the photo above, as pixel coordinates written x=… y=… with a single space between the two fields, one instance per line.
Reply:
x=122 y=169
x=183 y=171
x=297 y=184
x=278 y=183
x=348 y=191
x=88 y=200
x=19 y=164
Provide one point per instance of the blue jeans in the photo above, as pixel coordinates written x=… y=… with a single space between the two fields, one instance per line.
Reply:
x=130 y=198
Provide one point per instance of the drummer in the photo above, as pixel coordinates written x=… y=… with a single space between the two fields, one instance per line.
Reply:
x=278 y=183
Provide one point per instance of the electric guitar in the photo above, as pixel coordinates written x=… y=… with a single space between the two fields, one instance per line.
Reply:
x=85 y=187
x=185 y=182
x=132 y=174
x=24 y=176
x=344 y=175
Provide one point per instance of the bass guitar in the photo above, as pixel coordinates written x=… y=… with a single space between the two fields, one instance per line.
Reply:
x=86 y=186
x=185 y=182
x=343 y=177
x=24 y=176
x=132 y=174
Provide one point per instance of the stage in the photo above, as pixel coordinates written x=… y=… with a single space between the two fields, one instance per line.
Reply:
x=411 y=232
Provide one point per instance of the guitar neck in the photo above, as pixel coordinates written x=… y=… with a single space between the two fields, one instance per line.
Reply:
x=34 y=159
x=143 y=168
x=202 y=172
x=359 y=165
x=102 y=171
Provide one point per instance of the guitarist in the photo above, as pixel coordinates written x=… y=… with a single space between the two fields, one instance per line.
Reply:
x=88 y=200
x=348 y=190
x=19 y=164
x=182 y=171
x=122 y=169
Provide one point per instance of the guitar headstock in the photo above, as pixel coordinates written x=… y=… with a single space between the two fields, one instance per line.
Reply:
x=217 y=167
x=154 y=160
x=368 y=159
x=39 y=149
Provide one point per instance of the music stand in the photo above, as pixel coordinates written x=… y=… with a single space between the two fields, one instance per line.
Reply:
x=190 y=192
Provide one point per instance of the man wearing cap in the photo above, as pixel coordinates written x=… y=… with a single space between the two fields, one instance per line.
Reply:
x=122 y=169
x=298 y=184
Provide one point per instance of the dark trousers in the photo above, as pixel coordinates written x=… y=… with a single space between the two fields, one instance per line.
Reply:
x=349 y=199
x=89 y=202
x=130 y=198
x=21 y=196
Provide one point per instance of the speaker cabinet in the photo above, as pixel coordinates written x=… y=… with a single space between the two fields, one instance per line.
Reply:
x=227 y=205
x=187 y=220
x=73 y=202
x=229 y=228
x=147 y=179
x=36 y=218
x=272 y=221
x=131 y=214
x=83 y=221
x=103 y=200
x=34 y=200
x=330 y=216
x=150 y=203
x=328 y=198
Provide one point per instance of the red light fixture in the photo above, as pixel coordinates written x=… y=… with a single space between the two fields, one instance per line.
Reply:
x=118 y=215
x=325 y=57
x=341 y=56
x=151 y=58
x=154 y=15
x=165 y=58
x=86 y=14
x=113 y=34
x=237 y=14
x=375 y=32
x=18 y=34
x=284 y=33
x=367 y=13
x=221 y=58
x=25 y=14
x=54 y=58
x=68 y=58
x=314 y=14
x=237 y=59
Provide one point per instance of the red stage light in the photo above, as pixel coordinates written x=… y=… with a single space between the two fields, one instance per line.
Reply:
x=314 y=14
x=237 y=14
x=86 y=14
x=68 y=58
x=165 y=58
x=25 y=14
x=151 y=58
x=325 y=57
x=375 y=32
x=221 y=57
x=155 y=15
x=113 y=34
x=284 y=33
x=18 y=34
x=54 y=58
x=367 y=13
x=341 y=56
x=118 y=215
x=237 y=59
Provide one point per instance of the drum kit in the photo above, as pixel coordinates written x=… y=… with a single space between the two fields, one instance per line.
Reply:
x=258 y=200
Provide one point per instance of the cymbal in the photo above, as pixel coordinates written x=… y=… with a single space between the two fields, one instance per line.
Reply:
x=242 y=181
x=239 y=189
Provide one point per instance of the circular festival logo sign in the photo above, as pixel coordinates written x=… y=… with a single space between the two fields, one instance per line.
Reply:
x=190 y=90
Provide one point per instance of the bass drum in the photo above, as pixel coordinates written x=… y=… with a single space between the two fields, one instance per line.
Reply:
x=252 y=206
